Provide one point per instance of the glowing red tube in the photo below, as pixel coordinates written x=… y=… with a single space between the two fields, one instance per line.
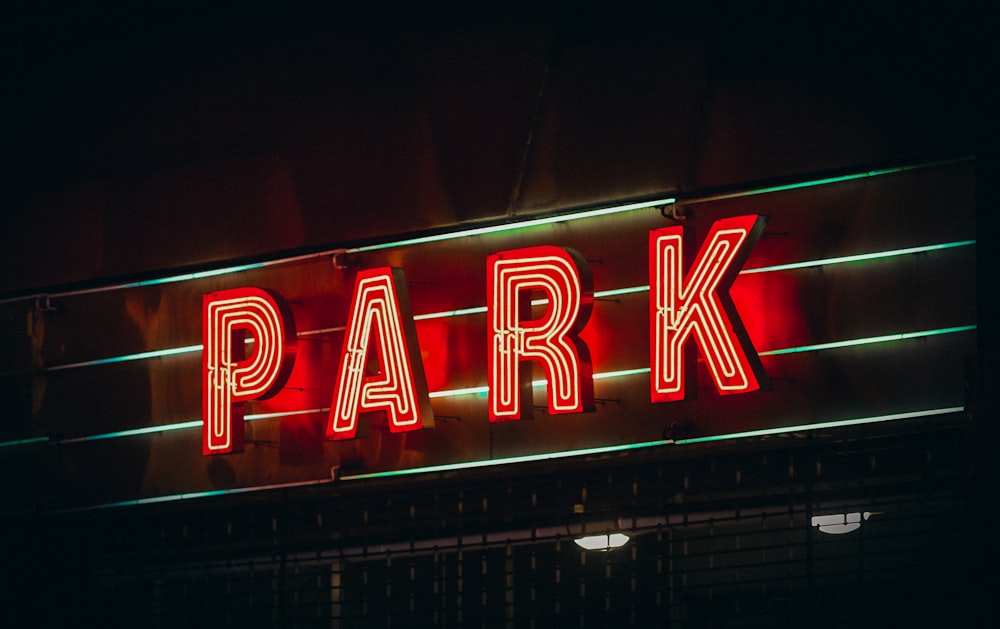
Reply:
x=229 y=377
x=699 y=305
x=381 y=318
x=563 y=278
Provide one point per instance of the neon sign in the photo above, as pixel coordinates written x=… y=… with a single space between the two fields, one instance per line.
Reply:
x=229 y=377
x=698 y=306
x=563 y=276
x=380 y=366
x=399 y=387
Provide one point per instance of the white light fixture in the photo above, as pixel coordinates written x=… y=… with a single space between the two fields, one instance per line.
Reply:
x=602 y=542
x=840 y=523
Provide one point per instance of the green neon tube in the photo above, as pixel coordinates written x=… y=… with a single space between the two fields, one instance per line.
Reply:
x=824 y=425
x=521 y=224
x=22 y=442
x=484 y=390
x=514 y=225
x=195 y=495
x=863 y=257
x=887 y=338
x=548 y=456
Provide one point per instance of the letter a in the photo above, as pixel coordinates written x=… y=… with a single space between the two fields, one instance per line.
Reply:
x=698 y=304
x=380 y=317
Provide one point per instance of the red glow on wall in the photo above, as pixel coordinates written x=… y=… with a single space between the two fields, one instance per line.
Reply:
x=697 y=305
x=563 y=278
x=229 y=376
x=380 y=319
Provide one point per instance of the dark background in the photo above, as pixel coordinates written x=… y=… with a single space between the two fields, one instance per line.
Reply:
x=144 y=139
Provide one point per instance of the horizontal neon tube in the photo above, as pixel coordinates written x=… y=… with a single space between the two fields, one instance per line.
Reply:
x=887 y=338
x=459 y=233
x=159 y=353
x=628 y=290
x=822 y=425
x=146 y=430
x=597 y=294
x=496 y=228
x=617 y=374
x=22 y=442
x=451 y=313
x=183 y=277
x=151 y=430
x=521 y=459
x=483 y=390
x=461 y=312
x=861 y=257
x=256 y=416
x=822 y=181
x=528 y=458
x=523 y=224
x=195 y=495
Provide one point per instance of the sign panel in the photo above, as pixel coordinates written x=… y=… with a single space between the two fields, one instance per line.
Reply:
x=608 y=328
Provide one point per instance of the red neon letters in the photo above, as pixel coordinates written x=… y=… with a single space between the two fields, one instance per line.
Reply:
x=228 y=377
x=563 y=277
x=699 y=304
x=682 y=305
x=380 y=316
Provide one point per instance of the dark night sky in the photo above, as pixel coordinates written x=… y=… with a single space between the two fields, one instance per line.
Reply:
x=68 y=69
x=98 y=94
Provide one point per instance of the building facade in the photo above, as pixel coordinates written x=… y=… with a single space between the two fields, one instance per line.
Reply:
x=746 y=243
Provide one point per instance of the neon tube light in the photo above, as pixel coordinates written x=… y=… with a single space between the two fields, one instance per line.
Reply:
x=229 y=377
x=195 y=495
x=649 y=444
x=159 y=353
x=887 y=338
x=483 y=390
x=521 y=459
x=694 y=305
x=461 y=312
x=473 y=231
x=862 y=257
x=22 y=442
x=822 y=181
x=528 y=458
x=146 y=430
x=618 y=374
x=152 y=430
x=551 y=340
x=822 y=425
x=183 y=277
x=524 y=224
x=308 y=411
x=459 y=233
x=380 y=316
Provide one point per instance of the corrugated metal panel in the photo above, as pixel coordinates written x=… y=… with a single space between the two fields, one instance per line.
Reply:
x=720 y=537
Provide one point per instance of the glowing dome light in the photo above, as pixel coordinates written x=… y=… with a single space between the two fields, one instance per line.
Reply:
x=602 y=542
x=840 y=523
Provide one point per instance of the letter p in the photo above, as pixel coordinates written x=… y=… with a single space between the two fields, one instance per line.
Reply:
x=229 y=376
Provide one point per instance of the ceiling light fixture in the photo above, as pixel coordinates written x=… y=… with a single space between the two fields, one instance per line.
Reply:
x=602 y=543
x=839 y=523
